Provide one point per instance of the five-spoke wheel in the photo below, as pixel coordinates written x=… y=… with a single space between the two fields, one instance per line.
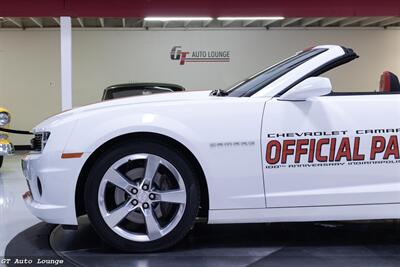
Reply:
x=146 y=182
x=146 y=194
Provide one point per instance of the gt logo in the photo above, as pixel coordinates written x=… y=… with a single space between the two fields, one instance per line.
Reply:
x=177 y=54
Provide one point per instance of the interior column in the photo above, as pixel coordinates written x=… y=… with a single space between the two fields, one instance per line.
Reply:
x=66 y=63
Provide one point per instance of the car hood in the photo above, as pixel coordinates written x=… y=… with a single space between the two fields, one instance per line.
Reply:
x=164 y=97
x=127 y=101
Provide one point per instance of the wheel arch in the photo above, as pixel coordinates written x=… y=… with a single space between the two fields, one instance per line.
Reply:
x=143 y=136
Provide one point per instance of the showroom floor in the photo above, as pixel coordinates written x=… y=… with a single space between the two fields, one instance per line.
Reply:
x=256 y=245
x=14 y=216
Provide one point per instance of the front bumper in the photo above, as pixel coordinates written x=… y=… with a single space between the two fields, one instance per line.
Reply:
x=6 y=148
x=51 y=182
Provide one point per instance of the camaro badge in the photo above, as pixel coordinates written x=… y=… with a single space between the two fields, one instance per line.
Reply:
x=232 y=144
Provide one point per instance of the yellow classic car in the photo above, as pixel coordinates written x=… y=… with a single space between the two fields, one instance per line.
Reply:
x=6 y=147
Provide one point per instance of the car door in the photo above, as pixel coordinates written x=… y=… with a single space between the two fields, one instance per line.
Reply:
x=332 y=150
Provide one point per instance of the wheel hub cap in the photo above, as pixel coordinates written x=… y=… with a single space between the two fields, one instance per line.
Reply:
x=143 y=196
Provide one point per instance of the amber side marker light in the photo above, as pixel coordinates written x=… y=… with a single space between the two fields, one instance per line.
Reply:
x=71 y=155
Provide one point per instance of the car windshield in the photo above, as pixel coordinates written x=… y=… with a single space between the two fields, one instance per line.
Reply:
x=254 y=83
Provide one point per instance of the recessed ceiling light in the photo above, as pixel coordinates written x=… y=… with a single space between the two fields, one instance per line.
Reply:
x=250 y=18
x=176 y=18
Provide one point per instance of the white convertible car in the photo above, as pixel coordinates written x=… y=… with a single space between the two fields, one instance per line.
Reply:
x=277 y=147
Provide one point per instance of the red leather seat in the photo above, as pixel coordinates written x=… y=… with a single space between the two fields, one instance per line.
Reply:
x=389 y=83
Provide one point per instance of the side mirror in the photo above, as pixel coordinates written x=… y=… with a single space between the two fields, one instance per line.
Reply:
x=310 y=87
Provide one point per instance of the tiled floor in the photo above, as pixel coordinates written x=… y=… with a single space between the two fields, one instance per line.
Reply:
x=14 y=216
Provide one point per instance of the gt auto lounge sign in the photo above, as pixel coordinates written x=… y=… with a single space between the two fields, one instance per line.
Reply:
x=333 y=148
x=199 y=56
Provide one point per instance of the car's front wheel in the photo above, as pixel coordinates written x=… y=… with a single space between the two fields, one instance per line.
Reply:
x=142 y=196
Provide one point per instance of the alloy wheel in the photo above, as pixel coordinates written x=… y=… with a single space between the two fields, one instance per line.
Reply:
x=142 y=197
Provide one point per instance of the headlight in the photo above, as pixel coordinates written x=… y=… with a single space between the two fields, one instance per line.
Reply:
x=4 y=118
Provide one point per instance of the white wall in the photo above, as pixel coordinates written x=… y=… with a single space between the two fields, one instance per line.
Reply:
x=102 y=58
x=29 y=61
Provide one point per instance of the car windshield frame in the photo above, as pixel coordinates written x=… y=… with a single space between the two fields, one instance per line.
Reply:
x=258 y=81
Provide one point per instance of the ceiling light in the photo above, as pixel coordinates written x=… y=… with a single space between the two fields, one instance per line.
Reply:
x=250 y=18
x=176 y=18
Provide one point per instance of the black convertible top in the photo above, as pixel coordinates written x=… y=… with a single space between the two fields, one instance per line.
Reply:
x=132 y=89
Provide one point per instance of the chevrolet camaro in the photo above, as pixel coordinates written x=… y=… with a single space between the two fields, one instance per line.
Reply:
x=279 y=146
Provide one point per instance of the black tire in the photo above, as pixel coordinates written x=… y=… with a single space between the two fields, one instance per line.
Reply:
x=1 y=161
x=119 y=151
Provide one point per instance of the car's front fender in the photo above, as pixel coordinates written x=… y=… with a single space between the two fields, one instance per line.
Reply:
x=226 y=144
x=90 y=135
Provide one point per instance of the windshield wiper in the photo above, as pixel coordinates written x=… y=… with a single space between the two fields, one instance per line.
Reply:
x=219 y=92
